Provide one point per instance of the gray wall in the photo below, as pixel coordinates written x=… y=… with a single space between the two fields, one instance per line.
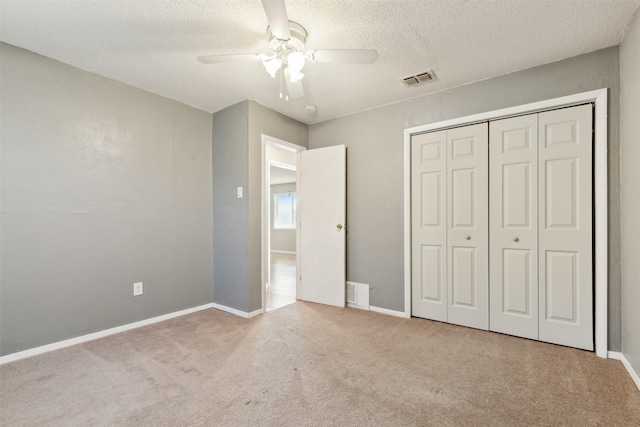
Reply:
x=237 y=161
x=281 y=240
x=375 y=139
x=630 y=197
x=230 y=214
x=102 y=185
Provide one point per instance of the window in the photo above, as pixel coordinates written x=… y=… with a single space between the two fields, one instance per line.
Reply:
x=284 y=207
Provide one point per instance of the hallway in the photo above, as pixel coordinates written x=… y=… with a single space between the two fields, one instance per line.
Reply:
x=282 y=286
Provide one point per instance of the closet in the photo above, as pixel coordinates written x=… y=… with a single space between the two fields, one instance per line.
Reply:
x=501 y=226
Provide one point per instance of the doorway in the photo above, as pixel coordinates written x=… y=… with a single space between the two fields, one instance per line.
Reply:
x=281 y=282
x=280 y=223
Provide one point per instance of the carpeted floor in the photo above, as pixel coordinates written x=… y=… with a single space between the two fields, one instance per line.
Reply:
x=313 y=365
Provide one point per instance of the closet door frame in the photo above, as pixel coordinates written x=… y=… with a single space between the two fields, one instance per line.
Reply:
x=600 y=202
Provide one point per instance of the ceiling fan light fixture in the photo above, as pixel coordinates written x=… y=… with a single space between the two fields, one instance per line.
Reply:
x=295 y=76
x=295 y=61
x=272 y=66
x=292 y=76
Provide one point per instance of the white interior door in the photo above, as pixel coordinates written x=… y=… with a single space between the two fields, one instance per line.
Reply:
x=322 y=213
x=468 y=226
x=565 y=227
x=429 y=225
x=513 y=178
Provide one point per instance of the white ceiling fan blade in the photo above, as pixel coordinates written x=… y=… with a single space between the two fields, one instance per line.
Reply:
x=240 y=57
x=295 y=89
x=345 y=56
x=277 y=17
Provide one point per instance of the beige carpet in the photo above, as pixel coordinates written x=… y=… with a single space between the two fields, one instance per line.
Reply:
x=310 y=365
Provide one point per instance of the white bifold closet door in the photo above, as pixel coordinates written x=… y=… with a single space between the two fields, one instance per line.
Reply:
x=513 y=156
x=533 y=275
x=450 y=226
x=565 y=226
x=467 y=226
x=429 y=225
x=541 y=226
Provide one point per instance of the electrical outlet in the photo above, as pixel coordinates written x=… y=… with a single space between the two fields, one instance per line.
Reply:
x=137 y=289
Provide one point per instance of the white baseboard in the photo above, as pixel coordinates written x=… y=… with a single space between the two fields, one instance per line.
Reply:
x=352 y=305
x=255 y=313
x=238 y=312
x=389 y=312
x=96 y=335
x=273 y=251
x=625 y=362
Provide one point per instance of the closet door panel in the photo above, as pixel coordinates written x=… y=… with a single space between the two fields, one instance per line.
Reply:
x=513 y=154
x=428 y=226
x=463 y=273
x=467 y=230
x=565 y=227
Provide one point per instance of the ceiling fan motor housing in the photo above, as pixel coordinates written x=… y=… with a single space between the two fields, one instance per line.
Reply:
x=295 y=43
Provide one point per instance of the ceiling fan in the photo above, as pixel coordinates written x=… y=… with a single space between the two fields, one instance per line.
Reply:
x=286 y=41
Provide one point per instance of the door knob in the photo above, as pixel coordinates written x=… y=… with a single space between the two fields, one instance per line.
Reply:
x=339 y=227
x=515 y=239
x=467 y=237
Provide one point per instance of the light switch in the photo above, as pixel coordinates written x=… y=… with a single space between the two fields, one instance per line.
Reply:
x=137 y=289
x=239 y=193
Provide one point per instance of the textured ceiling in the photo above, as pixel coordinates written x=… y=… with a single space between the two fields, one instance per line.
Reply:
x=153 y=44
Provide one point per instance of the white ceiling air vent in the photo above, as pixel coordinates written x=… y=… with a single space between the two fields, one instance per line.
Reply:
x=418 y=79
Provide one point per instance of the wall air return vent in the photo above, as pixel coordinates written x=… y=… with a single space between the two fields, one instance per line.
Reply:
x=419 y=79
x=358 y=295
x=352 y=293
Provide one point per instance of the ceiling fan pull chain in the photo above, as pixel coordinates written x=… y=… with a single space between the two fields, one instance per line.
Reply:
x=283 y=89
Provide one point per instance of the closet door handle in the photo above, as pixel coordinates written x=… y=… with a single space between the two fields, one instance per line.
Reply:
x=516 y=239
x=467 y=237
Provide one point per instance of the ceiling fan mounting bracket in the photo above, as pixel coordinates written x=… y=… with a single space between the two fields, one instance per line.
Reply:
x=296 y=42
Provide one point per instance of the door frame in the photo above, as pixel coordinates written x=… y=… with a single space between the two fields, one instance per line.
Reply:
x=600 y=202
x=265 y=203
